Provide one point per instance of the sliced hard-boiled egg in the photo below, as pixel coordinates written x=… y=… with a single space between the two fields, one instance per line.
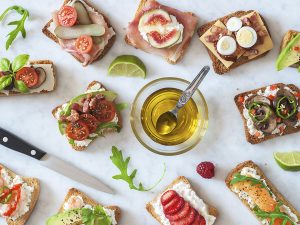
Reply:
x=234 y=24
x=246 y=37
x=226 y=45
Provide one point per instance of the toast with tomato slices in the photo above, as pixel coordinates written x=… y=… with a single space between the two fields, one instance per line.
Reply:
x=104 y=127
x=32 y=182
x=48 y=30
x=173 y=205
x=260 y=196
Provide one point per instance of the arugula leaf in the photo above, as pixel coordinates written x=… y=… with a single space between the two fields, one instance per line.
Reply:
x=5 y=81
x=95 y=216
x=240 y=178
x=122 y=165
x=21 y=86
x=19 y=62
x=121 y=106
x=18 y=23
x=4 y=65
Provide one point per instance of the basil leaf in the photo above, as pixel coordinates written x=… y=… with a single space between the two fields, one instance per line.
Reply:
x=4 y=65
x=21 y=86
x=121 y=106
x=19 y=62
x=5 y=81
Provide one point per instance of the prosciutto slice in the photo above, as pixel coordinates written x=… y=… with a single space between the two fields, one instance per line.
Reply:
x=188 y=20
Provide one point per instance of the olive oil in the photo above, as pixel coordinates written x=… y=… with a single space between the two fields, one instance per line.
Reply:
x=162 y=101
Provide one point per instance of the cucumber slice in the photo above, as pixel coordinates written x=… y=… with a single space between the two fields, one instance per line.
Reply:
x=82 y=14
x=78 y=30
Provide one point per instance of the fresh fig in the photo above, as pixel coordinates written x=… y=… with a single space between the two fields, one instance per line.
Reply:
x=153 y=17
x=158 y=40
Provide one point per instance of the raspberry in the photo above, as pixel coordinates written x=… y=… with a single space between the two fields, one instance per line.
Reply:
x=206 y=170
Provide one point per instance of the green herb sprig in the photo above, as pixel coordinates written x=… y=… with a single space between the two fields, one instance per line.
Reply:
x=18 y=23
x=240 y=178
x=122 y=165
x=95 y=216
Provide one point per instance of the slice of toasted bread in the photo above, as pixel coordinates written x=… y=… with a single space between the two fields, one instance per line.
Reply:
x=33 y=182
x=182 y=50
x=101 y=54
x=286 y=39
x=218 y=66
x=255 y=140
x=52 y=79
x=150 y=208
x=90 y=201
x=273 y=189
x=106 y=131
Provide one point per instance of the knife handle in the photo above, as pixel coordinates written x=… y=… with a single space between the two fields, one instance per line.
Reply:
x=15 y=143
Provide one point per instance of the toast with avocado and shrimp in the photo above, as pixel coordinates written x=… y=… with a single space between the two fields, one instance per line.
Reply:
x=269 y=112
x=80 y=29
x=88 y=116
x=260 y=196
x=78 y=208
x=18 y=196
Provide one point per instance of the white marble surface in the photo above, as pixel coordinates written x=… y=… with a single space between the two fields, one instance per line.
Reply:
x=224 y=144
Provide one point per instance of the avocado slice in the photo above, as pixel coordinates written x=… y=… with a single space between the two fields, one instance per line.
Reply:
x=288 y=56
x=70 y=217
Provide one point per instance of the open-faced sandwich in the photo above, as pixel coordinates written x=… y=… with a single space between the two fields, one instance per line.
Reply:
x=270 y=111
x=289 y=51
x=81 y=30
x=88 y=116
x=18 y=196
x=78 y=209
x=251 y=186
x=179 y=204
x=235 y=39
x=161 y=30
x=26 y=77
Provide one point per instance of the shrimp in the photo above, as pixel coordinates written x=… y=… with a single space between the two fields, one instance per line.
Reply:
x=75 y=202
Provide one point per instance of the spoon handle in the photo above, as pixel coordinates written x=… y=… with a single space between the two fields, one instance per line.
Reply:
x=187 y=94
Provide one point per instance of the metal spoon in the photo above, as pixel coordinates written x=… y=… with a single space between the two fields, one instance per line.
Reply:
x=167 y=121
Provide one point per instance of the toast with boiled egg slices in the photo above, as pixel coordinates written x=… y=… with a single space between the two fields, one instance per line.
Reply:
x=77 y=200
x=230 y=59
x=141 y=32
x=179 y=204
x=260 y=196
x=94 y=16
x=97 y=125
x=29 y=194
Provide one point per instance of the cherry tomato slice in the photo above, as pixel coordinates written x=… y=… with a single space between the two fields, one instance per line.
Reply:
x=90 y=121
x=67 y=16
x=84 y=44
x=77 y=130
x=104 y=111
x=28 y=75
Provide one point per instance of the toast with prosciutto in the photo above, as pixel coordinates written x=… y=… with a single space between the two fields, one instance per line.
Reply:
x=161 y=30
x=88 y=116
x=235 y=39
x=81 y=30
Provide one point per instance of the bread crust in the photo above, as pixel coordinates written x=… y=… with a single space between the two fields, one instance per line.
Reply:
x=212 y=211
x=32 y=62
x=33 y=182
x=100 y=55
x=273 y=189
x=107 y=131
x=90 y=201
x=218 y=66
x=286 y=39
x=252 y=139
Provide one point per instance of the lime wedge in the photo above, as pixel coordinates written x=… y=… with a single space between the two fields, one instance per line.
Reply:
x=288 y=160
x=127 y=65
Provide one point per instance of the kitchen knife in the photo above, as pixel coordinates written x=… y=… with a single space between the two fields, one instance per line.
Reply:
x=15 y=143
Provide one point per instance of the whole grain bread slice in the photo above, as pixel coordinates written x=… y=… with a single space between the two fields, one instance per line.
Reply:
x=273 y=189
x=101 y=54
x=34 y=62
x=106 y=131
x=218 y=66
x=90 y=201
x=211 y=210
x=286 y=39
x=255 y=140
x=33 y=182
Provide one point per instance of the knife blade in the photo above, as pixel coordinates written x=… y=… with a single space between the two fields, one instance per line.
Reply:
x=15 y=143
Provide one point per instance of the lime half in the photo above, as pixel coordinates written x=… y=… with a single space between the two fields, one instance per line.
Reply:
x=127 y=65
x=288 y=160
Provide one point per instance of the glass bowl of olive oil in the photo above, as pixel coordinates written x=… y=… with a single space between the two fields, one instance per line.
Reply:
x=158 y=97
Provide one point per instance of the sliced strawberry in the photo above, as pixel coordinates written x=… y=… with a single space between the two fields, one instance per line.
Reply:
x=199 y=220
x=173 y=206
x=187 y=220
x=185 y=210
x=168 y=196
x=202 y=222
